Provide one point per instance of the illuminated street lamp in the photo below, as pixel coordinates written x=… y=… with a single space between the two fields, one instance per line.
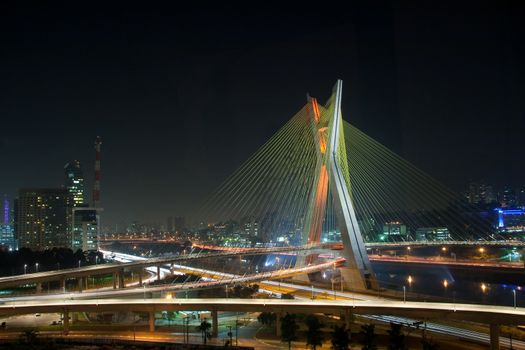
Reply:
x=445 y=283
x=483 y=287
x=25 y=269
x=444 y=249
x=36 y=267
x=481 y=250
x=410 y=280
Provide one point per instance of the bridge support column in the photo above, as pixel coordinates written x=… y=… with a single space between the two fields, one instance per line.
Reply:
x=65 y=322
x=348 y=319
x=494 y=336
x=121 y=279
x=158 y=272
x=152 y=321
x=278 y=316
x=215 y=324
x=39 y=287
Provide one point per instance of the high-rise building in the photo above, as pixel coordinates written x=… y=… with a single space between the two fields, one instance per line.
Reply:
x=508 y=198
x=42 y=218
x=169 y=226
x=6 y=227
x=84 y=223
x=179 y=224
x=480 y=193
x=74 y=182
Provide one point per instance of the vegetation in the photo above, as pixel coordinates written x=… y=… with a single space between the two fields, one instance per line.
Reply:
x=267 y=318
x=12 y=263
x=314 y=335
x=29 y=336
x=289 y=328
x=396 y=339
x=369 y=337
x=340 y=338
x=429 y=345
x=204 y=328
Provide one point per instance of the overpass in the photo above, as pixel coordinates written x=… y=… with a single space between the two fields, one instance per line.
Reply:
x=139 y=265
x=489 y=314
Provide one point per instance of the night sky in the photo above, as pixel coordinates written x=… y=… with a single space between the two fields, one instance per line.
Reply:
x=181 y=96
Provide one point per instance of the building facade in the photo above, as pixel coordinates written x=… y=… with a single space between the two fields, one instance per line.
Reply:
x=84 y=224
x=74 y=182
x=42 y=218
x=7 y=238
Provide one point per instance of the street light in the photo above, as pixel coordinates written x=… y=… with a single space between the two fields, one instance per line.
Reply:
x=79 y=264
x=36 y=267
x=25 y=269
x=514 y=293
x=96 y=260
x=410 y=280
x=404 y=294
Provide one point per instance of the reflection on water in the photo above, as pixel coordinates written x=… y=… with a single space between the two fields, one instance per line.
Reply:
x=462 y=285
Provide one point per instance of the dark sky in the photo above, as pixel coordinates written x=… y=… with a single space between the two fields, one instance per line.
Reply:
x=181 y=96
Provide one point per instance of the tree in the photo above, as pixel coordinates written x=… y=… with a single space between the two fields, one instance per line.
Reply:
x=289 y=329
x=266 y=318
x=369 y=337
x=396 y=339
x=170 y=315
x=429 y=345
x=29 y=336
x=314 y=335
x=204 y=328
x=340 y=338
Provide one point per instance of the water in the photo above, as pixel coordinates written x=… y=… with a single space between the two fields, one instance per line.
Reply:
x=463 y=285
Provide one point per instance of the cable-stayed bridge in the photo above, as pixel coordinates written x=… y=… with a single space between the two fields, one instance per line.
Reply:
x=317 y=177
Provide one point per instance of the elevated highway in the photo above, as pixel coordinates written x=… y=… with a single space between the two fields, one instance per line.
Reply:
x=117 y=268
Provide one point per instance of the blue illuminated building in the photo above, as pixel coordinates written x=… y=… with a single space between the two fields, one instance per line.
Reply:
x=7 y=239
x=511 y=221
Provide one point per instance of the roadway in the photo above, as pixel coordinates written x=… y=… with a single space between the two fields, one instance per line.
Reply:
x=489 y=314
x=101 y=269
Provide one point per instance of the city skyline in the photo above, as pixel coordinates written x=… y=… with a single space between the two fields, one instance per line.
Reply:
x=180 y=106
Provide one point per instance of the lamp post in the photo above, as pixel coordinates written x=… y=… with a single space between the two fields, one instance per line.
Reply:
x=514 y=294
x=25 y=269
x=404 y=294
x=96 y=260
x=36 y=267
x=79 y=264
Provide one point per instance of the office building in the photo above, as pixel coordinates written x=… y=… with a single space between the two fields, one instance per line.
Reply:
x=432 y=234
x=84 y=223
x=74 y=182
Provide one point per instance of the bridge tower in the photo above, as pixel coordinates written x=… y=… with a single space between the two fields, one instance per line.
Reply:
x=332 y=178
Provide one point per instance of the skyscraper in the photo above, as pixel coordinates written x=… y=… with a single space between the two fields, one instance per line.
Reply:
x=6 y=227
x=74 y=182
x=42 y=218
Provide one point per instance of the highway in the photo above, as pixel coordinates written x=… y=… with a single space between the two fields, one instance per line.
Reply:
x=488 y=314
x=137 y=264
